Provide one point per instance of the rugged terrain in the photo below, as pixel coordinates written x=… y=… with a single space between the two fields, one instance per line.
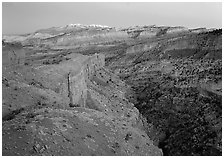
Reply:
x=99 y=90
x=73 y=106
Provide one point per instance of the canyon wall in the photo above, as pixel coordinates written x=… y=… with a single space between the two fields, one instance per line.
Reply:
x=71 y=39
x=68 y=78
x=77 y=82
x=203 y=45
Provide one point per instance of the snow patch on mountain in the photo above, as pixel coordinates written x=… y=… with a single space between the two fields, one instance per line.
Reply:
x=86 y=26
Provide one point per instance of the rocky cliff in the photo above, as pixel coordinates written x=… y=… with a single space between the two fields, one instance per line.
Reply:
x=77 y=80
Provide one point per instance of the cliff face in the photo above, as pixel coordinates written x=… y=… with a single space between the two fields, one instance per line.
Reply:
x=77 y=36
x=77 y=82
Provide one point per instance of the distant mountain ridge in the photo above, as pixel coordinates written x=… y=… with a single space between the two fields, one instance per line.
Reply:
x=164 y=38
x=53 y=31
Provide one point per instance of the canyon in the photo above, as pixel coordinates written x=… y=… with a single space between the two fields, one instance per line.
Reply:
x=99 y=90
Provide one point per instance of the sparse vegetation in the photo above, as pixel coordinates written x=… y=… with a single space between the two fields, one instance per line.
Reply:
x=173 y=78
x=186 y=120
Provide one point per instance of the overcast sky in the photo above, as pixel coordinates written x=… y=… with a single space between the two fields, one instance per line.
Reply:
x=23 y=17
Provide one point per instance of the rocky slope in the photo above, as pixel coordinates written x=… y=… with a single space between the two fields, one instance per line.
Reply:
x=178 y=87
x=172 y=75
x=72 y=107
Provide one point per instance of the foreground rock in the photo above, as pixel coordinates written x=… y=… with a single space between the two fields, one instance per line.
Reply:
x=78 y=131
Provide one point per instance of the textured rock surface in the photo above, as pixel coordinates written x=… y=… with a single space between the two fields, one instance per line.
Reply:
x=77 y=131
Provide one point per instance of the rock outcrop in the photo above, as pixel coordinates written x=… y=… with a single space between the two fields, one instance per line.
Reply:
x=77 y=81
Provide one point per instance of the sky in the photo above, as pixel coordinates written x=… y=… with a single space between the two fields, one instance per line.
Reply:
x=27 y=17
